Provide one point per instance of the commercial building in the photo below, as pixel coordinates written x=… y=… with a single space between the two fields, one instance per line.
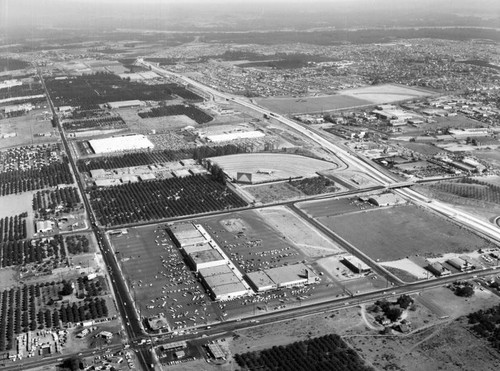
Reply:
x=356 y=265
x=227 y=137
x=460 y=264
x=44 y=226
x=281 y=277
x=223 y=283
x=438 y=269
x=385 y=199
x=206 y=259
x=121 y=144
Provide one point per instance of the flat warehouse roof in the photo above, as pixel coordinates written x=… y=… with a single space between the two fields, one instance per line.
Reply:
x=191 y=241
x=191 y=249
x=117 y=144
x=206 y=256
x=213 y=271
x=260 y=279
x=183 y=227
x=288 y=274
x=186 y=233
x=221 y=279
x=229 y=289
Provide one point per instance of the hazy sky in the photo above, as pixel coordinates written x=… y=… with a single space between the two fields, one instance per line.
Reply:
x=78 y=13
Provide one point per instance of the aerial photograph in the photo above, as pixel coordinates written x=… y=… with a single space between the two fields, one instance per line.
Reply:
x=240 y=185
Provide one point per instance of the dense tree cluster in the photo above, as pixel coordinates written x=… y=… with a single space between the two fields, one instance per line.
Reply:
x=188 y=110
x=315 y=186
x=33 y=307
x=22 y=90
x=24 y=252
x=166 y=198
x=83 y=310
x=110 y=122
x=89 y=288
x=87 y=111
x=328 y=352
x=154 y=157
x=471 y=188
x=77 y=244
x=46 y=201
x=487 y=324
x=18 y=181
x=101 y=87
x=13 y=228
x=11 y=64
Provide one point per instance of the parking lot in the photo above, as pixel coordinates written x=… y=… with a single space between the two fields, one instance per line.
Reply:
x=251 y=243
x=160 y=281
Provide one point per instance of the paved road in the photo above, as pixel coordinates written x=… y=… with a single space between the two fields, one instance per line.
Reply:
x=124 y=302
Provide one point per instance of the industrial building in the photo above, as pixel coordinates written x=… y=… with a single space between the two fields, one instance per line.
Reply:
x=356 y=265
x=281 y=277
x=227 y=137
x=125 y=104
x=121 y=144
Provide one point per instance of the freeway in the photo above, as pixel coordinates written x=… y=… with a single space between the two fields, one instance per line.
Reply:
x=123 y=299
x=487 y=229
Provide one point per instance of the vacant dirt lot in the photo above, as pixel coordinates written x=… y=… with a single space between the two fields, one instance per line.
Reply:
x=307 y=239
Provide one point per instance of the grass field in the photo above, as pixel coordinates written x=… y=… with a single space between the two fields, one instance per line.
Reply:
x=328 y=208
x=368 y=95
x=266 y=167
x=275 y=192
x=311 y=104
x=394 y=233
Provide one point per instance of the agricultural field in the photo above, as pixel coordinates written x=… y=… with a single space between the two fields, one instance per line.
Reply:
x=11 y=64
x=30 y=168
x=166 y=198
x=40 y=306
x=97 y=89
x=266 y=167
x=324 y=353
x=398 y=232
x=100 y=123
x=33 y=127
x=387 y=93
x=470 y=188
x=154 y=157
